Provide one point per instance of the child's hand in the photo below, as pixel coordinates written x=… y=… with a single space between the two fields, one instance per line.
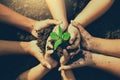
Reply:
x=64 y=59
x=88 y=41
x=42 y=24
x=33 y=49
x=86 y=61
x=74 y=39
x=50 y=60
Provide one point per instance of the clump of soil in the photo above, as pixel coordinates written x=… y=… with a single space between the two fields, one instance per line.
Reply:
x=42 y=38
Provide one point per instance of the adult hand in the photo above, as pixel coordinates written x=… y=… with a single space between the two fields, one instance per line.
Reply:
x=87 y=39
x=33 y=49
x=42 y=24
x=86 y=61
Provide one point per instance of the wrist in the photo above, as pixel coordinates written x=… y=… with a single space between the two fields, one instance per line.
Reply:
x=24 y=46
x=30 y=26
x=64 y=25
x=94 y=44
x=79 y=22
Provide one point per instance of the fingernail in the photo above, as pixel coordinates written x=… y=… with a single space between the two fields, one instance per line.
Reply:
x=49 y=66
x=71 y=21
x=71 y=41
x=59 y=69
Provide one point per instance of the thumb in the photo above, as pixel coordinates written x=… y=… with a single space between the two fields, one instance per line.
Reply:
x=72 y=38
x=83 y=32
x=64 y=68
x=46 y=64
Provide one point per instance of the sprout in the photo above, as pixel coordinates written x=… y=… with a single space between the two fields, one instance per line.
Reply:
x=60 y=37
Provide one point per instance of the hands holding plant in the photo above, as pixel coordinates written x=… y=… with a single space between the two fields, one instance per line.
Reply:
x=75 y=31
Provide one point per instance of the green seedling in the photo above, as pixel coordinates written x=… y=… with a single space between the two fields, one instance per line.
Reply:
x=60 y=37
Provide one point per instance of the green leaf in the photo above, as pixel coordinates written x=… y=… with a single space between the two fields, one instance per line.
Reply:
x=66 y=36
x=57 y=43
x=60 y=32
x=54 y=36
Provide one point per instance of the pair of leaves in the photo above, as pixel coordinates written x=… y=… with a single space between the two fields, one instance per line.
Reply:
x=58 y=38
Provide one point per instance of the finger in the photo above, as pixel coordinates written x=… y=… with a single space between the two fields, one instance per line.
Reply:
x=87 y=55
x=66 y=55
x=51 y=21
x=49 y=43
x=48 y=53
x=83 y=32
x=72 y=38
x=74 y=53
x=67 y=67
x=75 y=44
x=46 y=64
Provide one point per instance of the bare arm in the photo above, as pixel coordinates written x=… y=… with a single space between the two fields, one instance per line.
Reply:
x=93 y=10
x=66 y=74
x=9 y=16
x=14 y=47
x=108 y=63
x=35 y=73
x=7 y=47
x=106 y=46
x=100 y=61
x=58 y=11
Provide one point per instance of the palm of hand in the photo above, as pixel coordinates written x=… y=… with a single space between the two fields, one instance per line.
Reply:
x=75 y=37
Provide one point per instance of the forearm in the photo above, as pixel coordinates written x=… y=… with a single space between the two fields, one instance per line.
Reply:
x=58 y=11
x=93 y=10
x=11 y=17
x=67 y=75
x=107 y=46
x=108 y=63
x=7 y=47
x=36 y=73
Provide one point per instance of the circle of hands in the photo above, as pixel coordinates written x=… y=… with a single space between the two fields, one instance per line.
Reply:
x=77 y=35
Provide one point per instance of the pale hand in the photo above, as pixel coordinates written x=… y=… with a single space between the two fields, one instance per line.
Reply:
x=39 y=25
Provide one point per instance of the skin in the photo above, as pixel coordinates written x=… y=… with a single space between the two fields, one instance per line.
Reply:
x=11 y=17
x=100 y=61
x=59 y=12
x=105 y=62
x=105 y=46
x=99 y=7
x=66 y=74
x=37 y=72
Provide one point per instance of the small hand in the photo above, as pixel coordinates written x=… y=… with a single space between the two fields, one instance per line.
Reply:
x=42 y=24
x=86 y=61
x=49 y=44
x=35 y=51
x=64 y=59
x=74 y=39
x=87 y=39
x=49 y=59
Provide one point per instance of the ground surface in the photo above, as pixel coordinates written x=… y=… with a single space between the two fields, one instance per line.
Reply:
x=108 y=26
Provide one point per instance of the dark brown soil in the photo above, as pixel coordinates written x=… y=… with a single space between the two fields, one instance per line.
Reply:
x=108 y=26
